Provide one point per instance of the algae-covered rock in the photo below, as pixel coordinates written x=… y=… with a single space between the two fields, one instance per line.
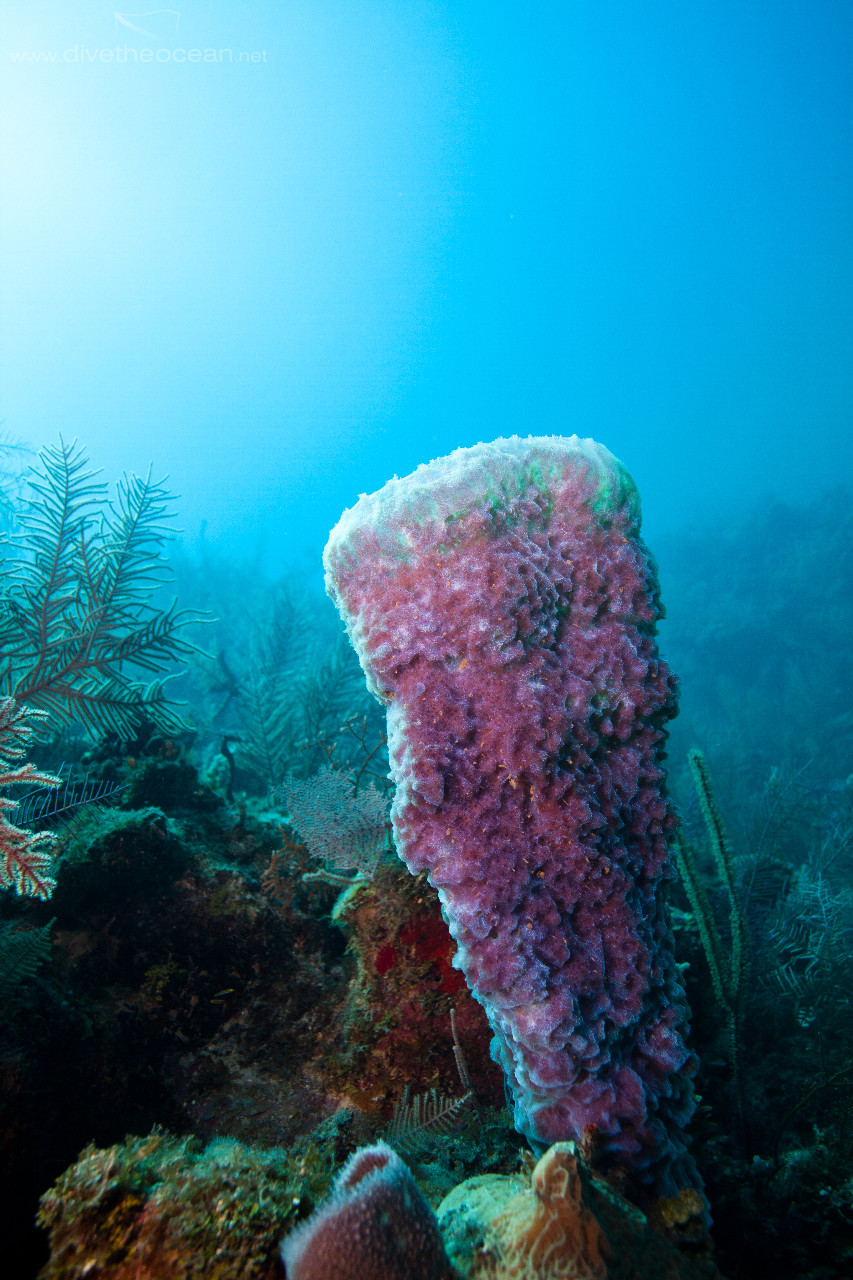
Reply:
x=174 y=785
x=165 y=1206
x=119 y=857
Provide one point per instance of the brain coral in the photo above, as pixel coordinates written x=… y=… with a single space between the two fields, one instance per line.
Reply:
x=504 y=607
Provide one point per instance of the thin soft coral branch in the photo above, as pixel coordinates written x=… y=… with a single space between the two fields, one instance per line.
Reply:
x=25 y=856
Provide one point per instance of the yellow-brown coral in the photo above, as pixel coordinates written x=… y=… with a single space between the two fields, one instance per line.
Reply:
x=566 y=1224
x=683 y=1217
x=547 y=1232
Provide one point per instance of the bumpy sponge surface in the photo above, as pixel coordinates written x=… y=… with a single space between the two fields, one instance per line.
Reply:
x=375 y=1225
x=504 y=607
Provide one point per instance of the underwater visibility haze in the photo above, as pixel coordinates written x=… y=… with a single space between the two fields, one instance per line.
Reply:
x=488 y=914
x=411 y=227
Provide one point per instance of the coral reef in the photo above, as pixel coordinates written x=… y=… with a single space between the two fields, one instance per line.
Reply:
x=504 y=607
x=397 y=1017
x=204 y=986
x=163 y=1206
x=376 y=1225
x=191 y=971
x=168 y=1206
x=174 y=992
x=562 y=1224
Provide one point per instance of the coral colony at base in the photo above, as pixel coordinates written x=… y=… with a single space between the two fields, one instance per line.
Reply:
x=504 y=607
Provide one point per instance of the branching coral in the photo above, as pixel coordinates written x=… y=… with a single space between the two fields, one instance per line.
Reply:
x=729 y=970
x=25 y=856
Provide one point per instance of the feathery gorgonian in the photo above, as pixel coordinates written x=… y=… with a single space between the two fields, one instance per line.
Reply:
x=80 y=625
x=25 y=856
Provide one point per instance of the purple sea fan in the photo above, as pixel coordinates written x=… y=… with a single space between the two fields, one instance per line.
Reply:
x=342 y=828
x=504 y=607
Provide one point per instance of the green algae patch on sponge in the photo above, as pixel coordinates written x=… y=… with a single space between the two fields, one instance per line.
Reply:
x=504 y=607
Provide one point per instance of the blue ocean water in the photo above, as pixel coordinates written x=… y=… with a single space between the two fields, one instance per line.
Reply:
x=367 y=233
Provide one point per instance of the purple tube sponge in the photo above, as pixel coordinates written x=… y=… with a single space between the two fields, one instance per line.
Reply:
x=504 y=607
x=376 y=1225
